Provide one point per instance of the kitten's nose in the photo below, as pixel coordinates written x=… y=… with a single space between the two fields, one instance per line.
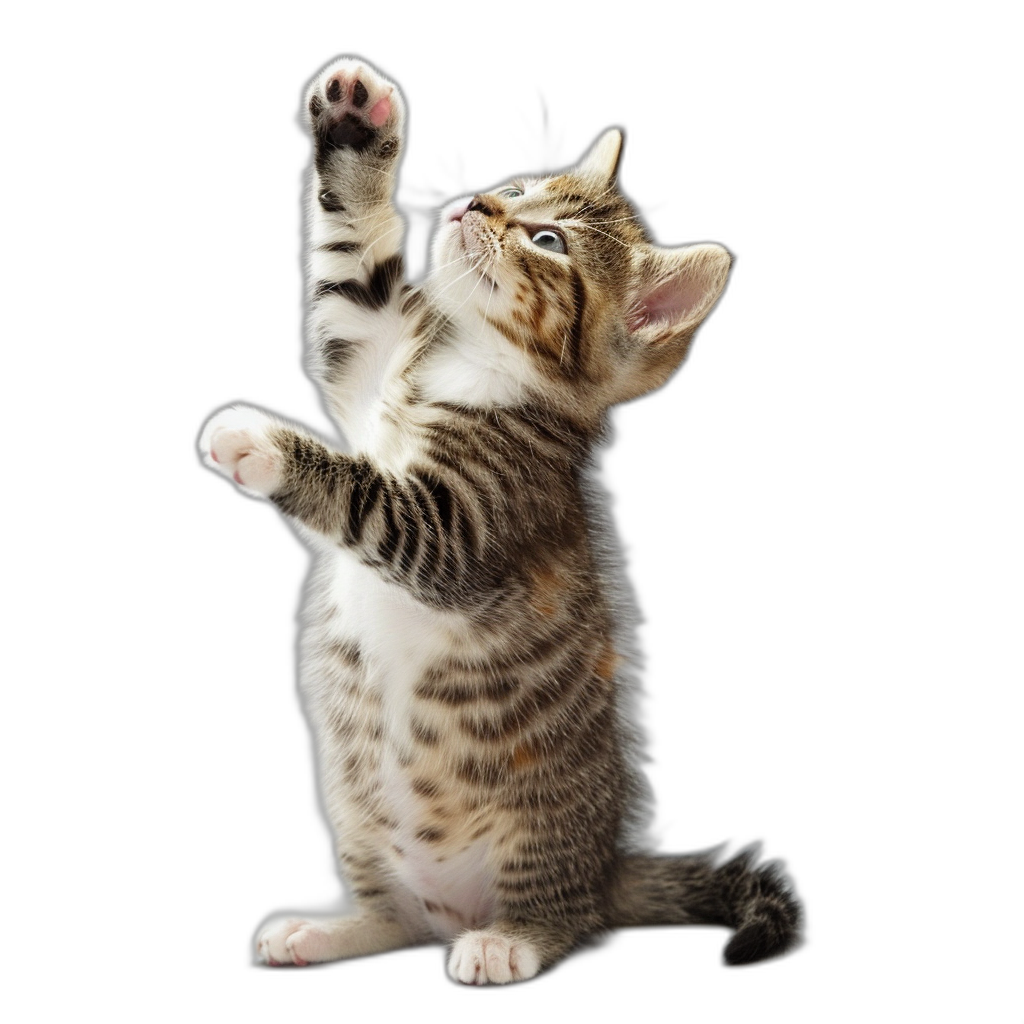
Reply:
x=459 y=211
x=480 y=206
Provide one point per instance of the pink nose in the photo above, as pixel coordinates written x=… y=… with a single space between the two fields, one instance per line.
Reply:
x=460 y=211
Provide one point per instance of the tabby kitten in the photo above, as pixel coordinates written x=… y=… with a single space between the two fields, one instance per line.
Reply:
x=462 y=661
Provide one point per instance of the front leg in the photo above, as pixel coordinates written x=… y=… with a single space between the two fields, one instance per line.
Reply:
x=426 y=530
x=356 y=117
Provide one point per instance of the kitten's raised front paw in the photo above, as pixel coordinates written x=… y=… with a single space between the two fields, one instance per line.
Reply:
x=352 y=106
x=237 y=442
x=490 y=958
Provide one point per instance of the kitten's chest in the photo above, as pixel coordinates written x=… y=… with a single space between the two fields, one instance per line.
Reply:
x=476 y=366
x=398 y=637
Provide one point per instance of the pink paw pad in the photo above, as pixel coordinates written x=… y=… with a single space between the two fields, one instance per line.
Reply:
x=380 y=111
x=355 y=94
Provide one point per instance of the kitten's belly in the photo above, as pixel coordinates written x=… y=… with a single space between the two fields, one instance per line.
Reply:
x=453 y=887
x=437 y=848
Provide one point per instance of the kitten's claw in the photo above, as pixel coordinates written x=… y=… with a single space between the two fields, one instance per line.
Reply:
x=237 y=443
x=490 y=958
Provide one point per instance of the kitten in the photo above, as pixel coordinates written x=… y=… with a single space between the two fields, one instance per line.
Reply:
x=460 y=665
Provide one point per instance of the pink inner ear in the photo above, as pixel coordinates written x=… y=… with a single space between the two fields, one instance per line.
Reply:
x=672 y=300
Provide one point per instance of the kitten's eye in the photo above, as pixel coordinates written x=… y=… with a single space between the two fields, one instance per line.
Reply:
x=550 y=240
x=511 y=193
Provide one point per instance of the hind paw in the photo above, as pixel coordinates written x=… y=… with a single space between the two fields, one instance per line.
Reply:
x=296 y=942
x=300 y=941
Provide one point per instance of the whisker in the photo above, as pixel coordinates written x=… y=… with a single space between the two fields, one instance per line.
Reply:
x=450 y=263
x=590 y=227
x=593 y=202
x=450 y=285
x=490 y=294
x=472 y=292
x=613 y=220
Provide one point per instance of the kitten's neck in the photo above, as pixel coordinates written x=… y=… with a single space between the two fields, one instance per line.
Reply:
x=473 y=365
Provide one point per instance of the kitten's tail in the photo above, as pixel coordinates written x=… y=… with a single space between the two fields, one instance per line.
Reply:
x=758 y=902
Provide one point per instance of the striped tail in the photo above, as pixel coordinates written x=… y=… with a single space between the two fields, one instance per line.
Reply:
x=758 y=902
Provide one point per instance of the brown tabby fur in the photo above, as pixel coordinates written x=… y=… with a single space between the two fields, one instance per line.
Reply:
x=508 y=754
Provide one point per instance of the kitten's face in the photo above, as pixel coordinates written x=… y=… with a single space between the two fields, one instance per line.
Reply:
x=562 y=267
x=534 y=254
x=531 y=230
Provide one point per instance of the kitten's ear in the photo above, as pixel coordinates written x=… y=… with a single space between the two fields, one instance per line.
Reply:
x=602 y=159
x=673 y=291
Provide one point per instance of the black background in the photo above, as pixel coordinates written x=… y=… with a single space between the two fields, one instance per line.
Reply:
x=716 y=484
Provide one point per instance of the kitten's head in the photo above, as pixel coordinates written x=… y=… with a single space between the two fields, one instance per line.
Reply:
x=563 y=268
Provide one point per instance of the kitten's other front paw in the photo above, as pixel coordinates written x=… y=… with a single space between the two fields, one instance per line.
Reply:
x=490 y=958
x=238 y=443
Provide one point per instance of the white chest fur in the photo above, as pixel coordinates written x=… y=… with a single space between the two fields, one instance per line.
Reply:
x=398 y=636
x=477 y=367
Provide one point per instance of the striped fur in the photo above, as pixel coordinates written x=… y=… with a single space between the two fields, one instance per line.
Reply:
x=463 y=655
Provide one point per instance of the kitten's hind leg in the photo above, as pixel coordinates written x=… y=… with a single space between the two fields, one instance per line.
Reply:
x=302 y=941
x=381 y=918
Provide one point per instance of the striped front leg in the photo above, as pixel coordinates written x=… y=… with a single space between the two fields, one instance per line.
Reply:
x=356 y=118
x=426 y=530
